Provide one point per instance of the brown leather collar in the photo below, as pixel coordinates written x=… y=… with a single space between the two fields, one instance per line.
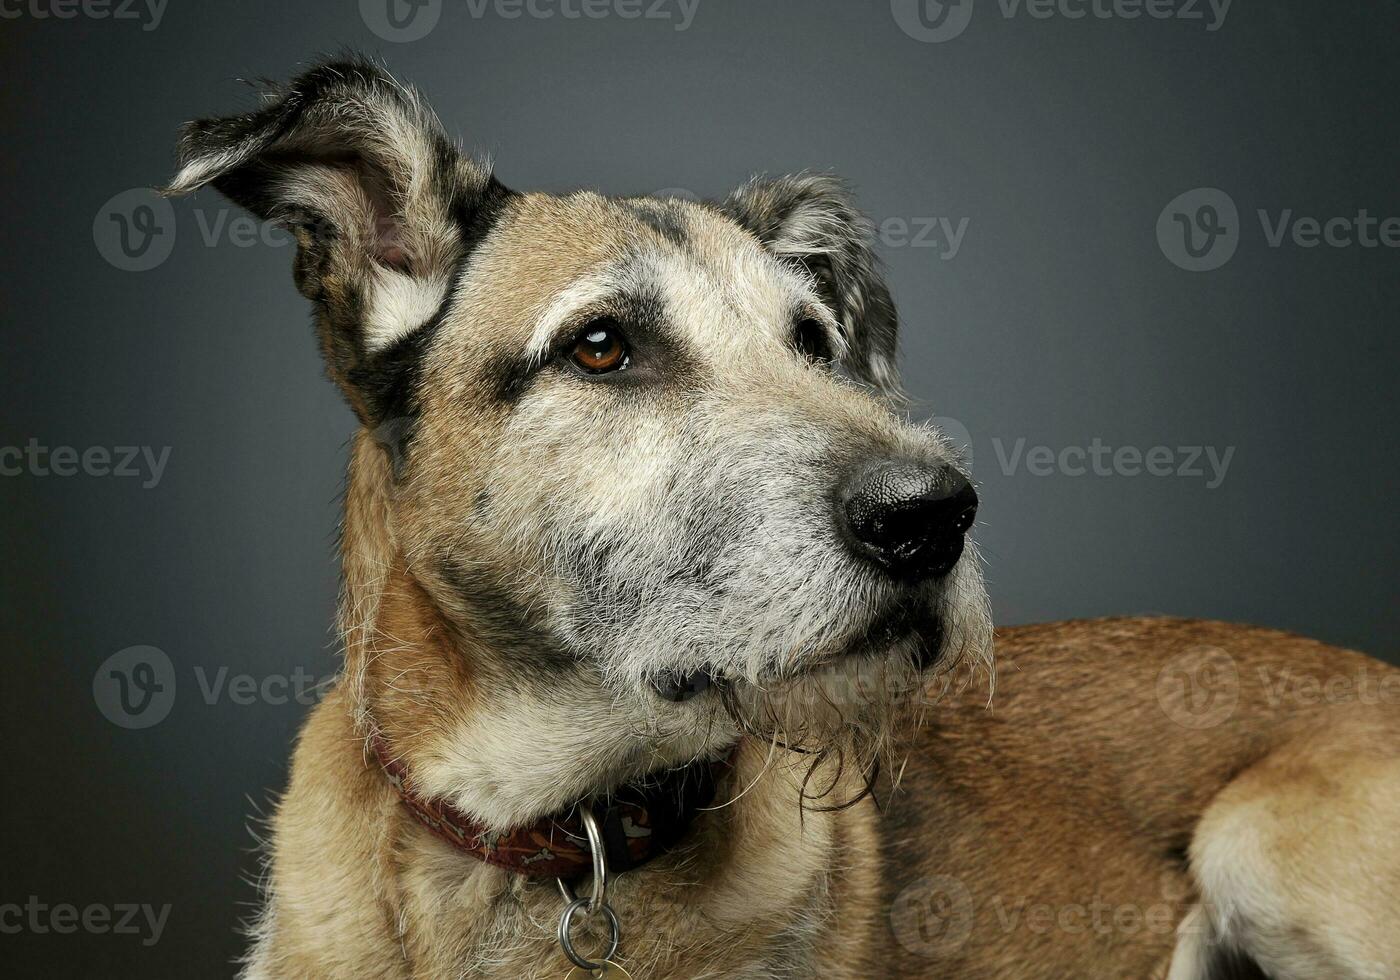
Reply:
x=639 y=821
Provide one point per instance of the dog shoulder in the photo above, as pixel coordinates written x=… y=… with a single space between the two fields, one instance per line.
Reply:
x=328 y=844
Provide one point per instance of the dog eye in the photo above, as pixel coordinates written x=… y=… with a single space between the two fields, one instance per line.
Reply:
x=600 y=348
x=810 y=339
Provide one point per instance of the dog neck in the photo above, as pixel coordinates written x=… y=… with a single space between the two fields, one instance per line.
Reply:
x=750 y=864
x=638 y=823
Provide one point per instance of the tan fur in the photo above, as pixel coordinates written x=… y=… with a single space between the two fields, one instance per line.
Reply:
x=530 y=551
x=1299 y=858
x=388 y=900
x=1077 y=787
x=1073 y=787
x=1080 y=786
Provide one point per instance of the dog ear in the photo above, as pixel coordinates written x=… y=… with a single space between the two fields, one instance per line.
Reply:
x=811 y=221
x=383 y=206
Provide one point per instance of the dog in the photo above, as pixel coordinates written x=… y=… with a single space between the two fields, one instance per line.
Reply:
x=667 y=653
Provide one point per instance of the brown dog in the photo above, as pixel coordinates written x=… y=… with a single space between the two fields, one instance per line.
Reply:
x=647 y=585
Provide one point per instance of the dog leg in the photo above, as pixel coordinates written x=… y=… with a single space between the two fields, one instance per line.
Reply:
x=1200 y=954
x=1298 y=859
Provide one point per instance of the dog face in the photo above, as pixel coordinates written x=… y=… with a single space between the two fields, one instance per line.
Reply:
x=639 y=454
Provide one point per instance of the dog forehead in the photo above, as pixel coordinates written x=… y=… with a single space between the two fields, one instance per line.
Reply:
x=553 y=256
x=720 y=295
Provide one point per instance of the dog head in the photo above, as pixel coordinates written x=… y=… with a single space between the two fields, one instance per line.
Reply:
x=631 y=482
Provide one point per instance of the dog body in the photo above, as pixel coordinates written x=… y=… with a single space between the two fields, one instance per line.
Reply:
x=631 y=493
x=1069 y=831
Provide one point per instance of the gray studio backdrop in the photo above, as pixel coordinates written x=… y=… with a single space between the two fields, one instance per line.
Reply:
x=1145 y=253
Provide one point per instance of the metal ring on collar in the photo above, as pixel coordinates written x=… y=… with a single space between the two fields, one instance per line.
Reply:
x=566 y=922
x=599 y=898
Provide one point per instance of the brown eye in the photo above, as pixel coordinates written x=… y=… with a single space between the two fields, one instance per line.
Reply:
x=600 y=348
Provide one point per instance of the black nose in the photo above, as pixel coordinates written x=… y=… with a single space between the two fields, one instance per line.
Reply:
x=909 y=517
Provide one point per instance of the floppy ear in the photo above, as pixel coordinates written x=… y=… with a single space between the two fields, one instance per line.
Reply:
x=383 y=206
x=811 y=221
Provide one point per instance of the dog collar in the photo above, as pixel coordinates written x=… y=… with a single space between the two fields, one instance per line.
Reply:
x=638 y=822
